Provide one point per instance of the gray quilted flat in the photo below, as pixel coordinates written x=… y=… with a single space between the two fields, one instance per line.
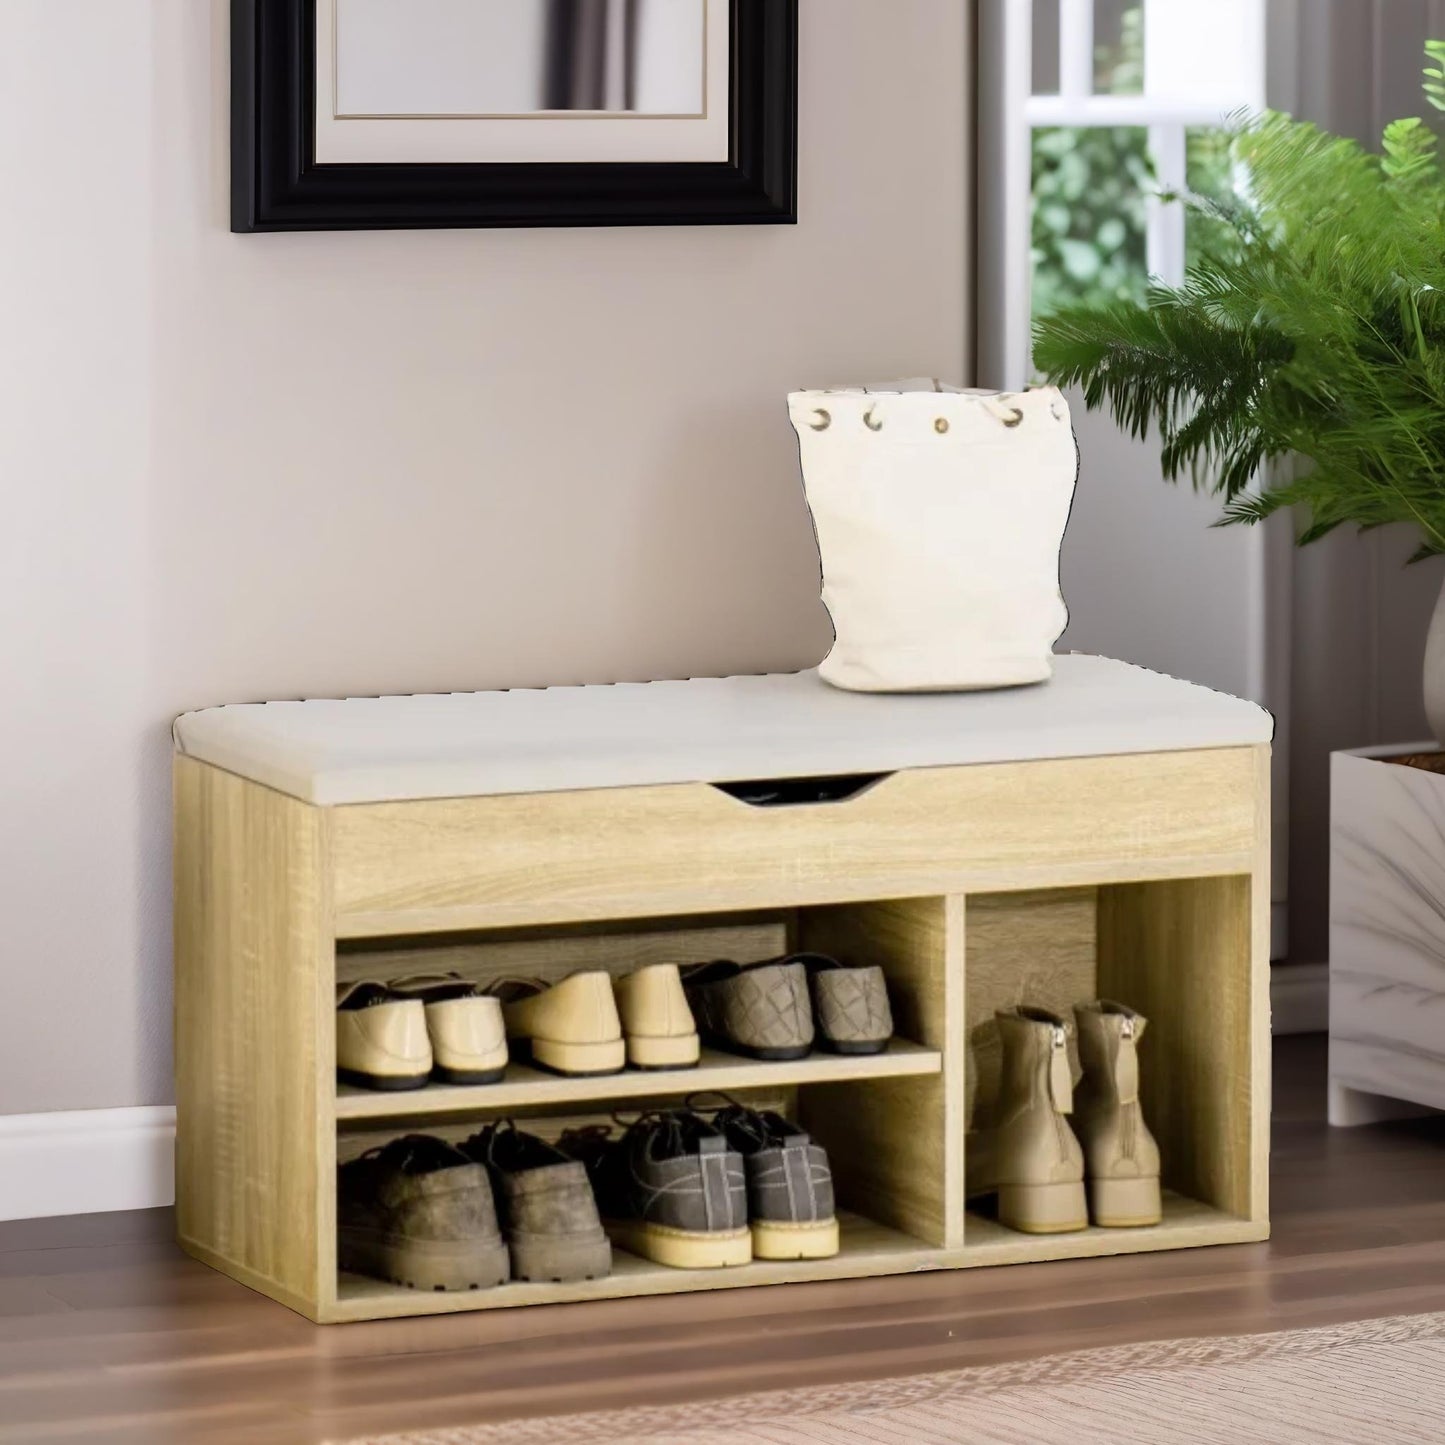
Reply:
x=762 y=1010
x=851 y=1006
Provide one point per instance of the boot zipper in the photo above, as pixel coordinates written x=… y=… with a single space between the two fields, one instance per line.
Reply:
x=1061 y=1084
x=1128 y=1111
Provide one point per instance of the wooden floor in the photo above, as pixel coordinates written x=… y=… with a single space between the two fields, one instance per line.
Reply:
x=109 y=1334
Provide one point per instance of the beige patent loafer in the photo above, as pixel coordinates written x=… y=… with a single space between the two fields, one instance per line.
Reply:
x=464 y=1023
x=381 y=1040
x=571 y=1027
x=656 y=1020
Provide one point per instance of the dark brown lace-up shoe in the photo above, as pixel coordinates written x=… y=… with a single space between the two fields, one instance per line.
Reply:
x=670 y=1189
x=419 y=1213
x=547 y=1207
x=790 y=1184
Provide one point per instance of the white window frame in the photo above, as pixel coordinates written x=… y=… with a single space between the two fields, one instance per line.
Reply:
x=1011 y=112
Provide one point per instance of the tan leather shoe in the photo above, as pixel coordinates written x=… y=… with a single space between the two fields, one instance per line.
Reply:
x=1027 y=1153
x=420 y=1213
x=381 y=1040
x=571 y=1027
x=1120 y=1155
x=464 y=1024
x=655 y=1017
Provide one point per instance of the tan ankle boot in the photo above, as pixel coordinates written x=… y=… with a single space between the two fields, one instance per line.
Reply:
x=1027 y=1154
x=1121 y=1156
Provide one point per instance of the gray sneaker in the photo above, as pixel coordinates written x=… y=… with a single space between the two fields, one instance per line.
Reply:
x=419 y=1213
x=759 y=1009
x=849 y=1004
x=550 y=1216
x=790 y=1184
x=670 y=1189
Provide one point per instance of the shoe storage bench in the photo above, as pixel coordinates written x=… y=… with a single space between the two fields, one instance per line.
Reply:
x=1103 y=835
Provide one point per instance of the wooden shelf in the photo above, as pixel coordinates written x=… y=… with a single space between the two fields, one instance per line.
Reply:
x=527 y=1088
x=866 y=1249
x=1186 y=1223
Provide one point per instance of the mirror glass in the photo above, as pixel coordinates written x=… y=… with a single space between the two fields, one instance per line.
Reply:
x=480 y=58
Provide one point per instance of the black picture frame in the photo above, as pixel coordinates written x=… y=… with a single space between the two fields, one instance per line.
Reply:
x=277 y=184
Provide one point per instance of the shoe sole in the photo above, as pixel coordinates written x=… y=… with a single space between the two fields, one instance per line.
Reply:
x=1125 y=1203
x=449 y=1266
x=383 y=1083
x=443 y=1075
x=560 y=1260
x=778 y=1239
x=649 y=1054
x=853 y=1046
x=1043 y=1208
x=683 y=1248
x=580 y=1061
x=782 y=1055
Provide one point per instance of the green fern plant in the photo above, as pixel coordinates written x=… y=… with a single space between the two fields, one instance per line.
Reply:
x=1315 y=334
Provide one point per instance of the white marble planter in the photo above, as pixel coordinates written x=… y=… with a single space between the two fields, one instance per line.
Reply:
x=1387 y=936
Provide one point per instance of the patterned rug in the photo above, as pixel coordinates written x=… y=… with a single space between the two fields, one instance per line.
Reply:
x=1380 y=1382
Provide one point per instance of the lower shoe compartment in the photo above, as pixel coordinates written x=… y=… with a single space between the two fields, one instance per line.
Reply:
x=865 y=1243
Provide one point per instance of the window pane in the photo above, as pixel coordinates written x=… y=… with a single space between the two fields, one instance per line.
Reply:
x=1210 y=171
x=1208 y=53
x=1046 y=47
x=1118 y=47
x=1089 y=189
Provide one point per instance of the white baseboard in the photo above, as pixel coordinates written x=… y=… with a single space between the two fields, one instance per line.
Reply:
x=86 y=1161
x=1299 y=996
x=95 y=1160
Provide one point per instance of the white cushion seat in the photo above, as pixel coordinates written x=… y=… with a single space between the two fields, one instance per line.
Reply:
x=717 y=730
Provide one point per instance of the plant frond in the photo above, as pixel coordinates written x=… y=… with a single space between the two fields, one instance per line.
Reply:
x=1435 y=74
x=1409 y=147
x=1315 y=330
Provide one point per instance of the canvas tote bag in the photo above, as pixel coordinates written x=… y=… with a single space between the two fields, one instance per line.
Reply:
x=939 y=515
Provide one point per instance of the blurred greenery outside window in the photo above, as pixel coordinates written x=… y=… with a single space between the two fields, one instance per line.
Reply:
x=1092 y=187
x=1118 y=48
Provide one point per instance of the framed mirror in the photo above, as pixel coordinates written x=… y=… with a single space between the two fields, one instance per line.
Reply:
x=370 y=114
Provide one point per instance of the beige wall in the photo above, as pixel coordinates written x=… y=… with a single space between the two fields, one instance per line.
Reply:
x=268 y=466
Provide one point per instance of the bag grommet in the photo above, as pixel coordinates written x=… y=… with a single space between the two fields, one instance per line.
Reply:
x=1014 y=418
x=822 y=420
x=940 y=425
x=869 y=422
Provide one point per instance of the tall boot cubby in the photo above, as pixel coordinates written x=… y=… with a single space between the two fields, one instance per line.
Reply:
x=1178 y=951
x=1106 y=835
